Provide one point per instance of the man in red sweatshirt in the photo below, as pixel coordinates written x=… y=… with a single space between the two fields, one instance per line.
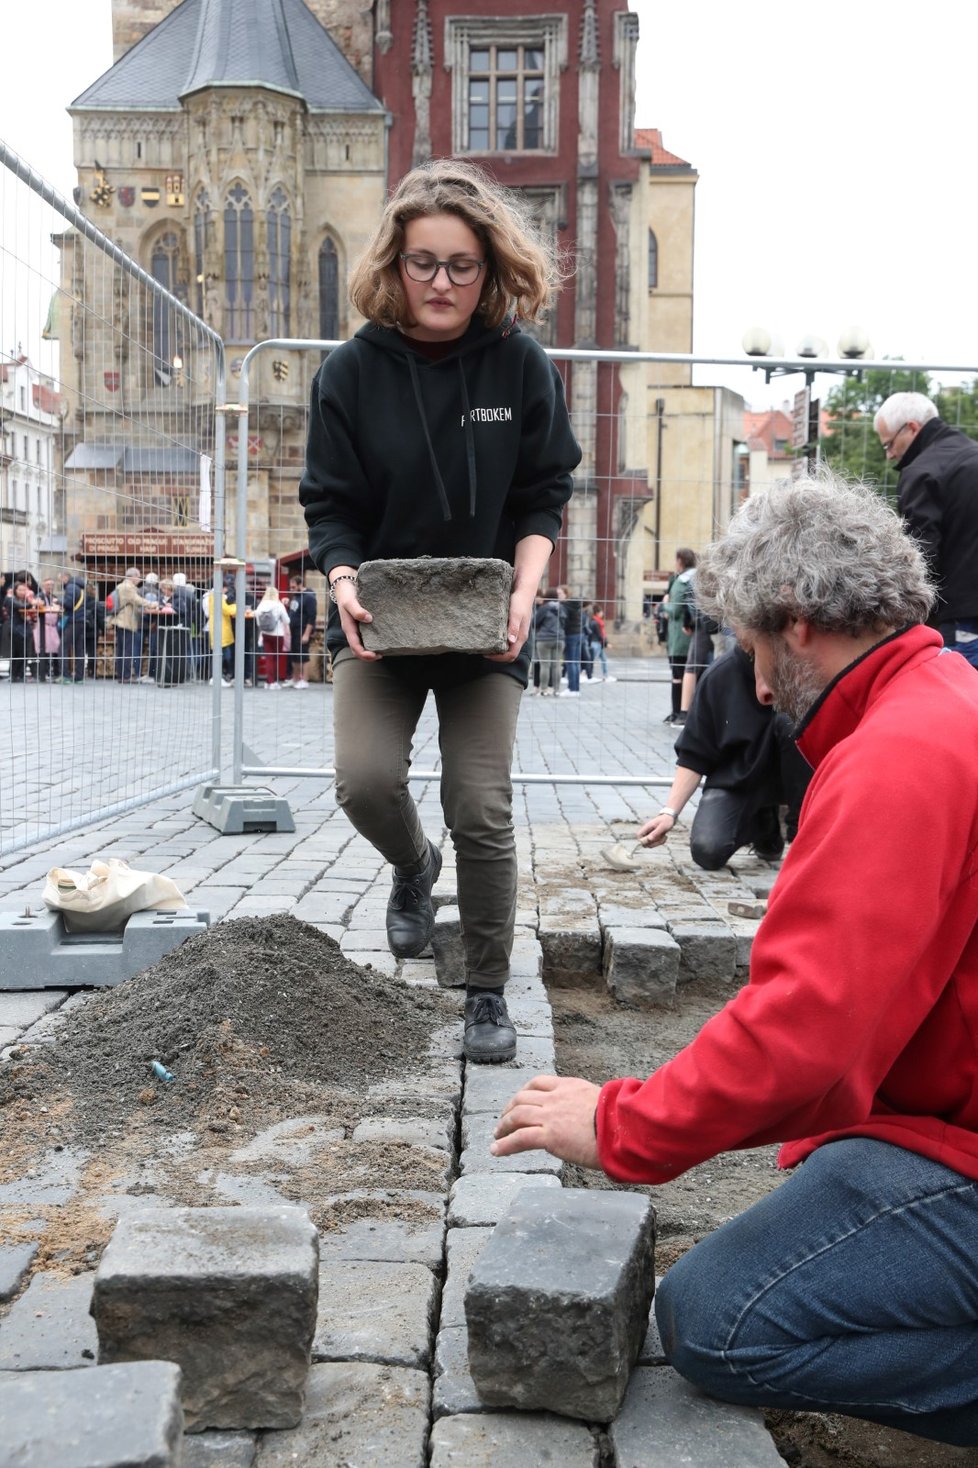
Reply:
x=852 y=1287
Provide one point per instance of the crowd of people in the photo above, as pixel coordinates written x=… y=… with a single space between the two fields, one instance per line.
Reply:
x=151 y=630
x=568 y=639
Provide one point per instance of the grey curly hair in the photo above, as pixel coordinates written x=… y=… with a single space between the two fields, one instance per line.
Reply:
x=819 y=548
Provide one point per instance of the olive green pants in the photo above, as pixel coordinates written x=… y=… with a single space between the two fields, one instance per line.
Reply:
x=375 y=714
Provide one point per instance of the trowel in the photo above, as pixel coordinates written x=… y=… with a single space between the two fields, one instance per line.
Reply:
x=621 y=858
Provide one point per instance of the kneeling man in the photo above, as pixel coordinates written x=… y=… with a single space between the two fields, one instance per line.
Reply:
x=853 y=1286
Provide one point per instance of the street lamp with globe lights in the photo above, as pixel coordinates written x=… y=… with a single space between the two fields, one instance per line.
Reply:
x=853 y=348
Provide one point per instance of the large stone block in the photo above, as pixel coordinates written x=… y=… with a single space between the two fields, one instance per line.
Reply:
x=641 y=965
x=108 y=1416
x=558 y=1302
x=229 y=1294
x=435 y=604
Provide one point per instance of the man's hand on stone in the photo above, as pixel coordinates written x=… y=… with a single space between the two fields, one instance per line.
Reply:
x=554 y=1114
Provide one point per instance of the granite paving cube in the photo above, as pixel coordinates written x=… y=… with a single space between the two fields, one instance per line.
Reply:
x=483 y=1198
x=107 y=1417
x=229 y=1294
x=357 y=1413
x=435 y=604
x=558 y=1302
x=406 y=1227
x=453 y=1389
x=665 y=1421
x=477 y=1134
x=641 y=966
x=375 y=1310
x=708 y=950
x=571 y=952
x=15 y=1261
x=49 y=1328
x=219 y=1450
x=623 y=915
x=489 y=1087
x=462 y=1248
x=511 y=1440
x=446 y=945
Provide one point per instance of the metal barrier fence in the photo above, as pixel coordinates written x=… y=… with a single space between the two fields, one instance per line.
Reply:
x=666 y=462
x=112 y=461
x=113 y=411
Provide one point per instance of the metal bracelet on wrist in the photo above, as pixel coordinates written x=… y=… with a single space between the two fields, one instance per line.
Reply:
x=343 y=576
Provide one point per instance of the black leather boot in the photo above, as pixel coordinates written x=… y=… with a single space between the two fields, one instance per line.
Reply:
x=410 y=915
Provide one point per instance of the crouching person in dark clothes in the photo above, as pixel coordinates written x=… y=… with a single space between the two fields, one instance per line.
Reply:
x=750 y=763
x=853 y=1286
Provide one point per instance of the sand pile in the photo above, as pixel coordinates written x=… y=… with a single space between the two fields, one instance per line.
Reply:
x=265 y=1010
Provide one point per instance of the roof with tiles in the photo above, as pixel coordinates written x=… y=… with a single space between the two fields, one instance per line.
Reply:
x=649 y=140
x=771 y=431
x=278 y=44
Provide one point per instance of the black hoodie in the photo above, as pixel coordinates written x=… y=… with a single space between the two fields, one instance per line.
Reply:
x=459 y=456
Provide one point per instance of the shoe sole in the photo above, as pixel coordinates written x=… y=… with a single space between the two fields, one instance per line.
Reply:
x=498 y=1059
x=415 y=950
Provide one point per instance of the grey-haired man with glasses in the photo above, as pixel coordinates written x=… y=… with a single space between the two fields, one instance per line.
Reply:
x=938 y=499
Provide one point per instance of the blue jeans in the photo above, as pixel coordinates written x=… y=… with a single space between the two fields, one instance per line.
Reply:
x=853 y=1288
x=572 y=661
x=598 y=655
x=128 y=655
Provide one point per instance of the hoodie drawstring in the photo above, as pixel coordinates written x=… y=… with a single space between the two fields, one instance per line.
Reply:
x=446 y=509
x=469 y=440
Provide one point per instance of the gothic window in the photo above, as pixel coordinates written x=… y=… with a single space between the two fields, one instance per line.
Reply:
x=653 y=261
x=239 y=264
x=506 y=98
x=278 y=222
x=202 y=230
x=163 y=268
x=505 y=81
x=329 y=292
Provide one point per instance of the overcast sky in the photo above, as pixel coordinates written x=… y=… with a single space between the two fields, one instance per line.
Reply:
x=834 y=145
x=835 y=150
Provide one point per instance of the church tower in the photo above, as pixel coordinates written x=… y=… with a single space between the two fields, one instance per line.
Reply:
x=239 y=157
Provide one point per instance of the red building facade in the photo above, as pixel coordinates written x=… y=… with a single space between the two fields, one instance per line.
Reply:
x=545 y=102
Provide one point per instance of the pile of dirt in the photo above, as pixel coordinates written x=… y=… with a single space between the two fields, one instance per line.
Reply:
x=262 y=1014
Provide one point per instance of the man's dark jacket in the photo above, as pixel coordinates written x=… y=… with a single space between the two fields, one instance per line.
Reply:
x=938 y=499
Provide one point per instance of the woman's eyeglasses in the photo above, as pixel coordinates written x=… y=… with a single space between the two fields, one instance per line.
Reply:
x=424 y=268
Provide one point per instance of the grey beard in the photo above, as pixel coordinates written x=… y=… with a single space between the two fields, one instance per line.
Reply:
x=795 y=684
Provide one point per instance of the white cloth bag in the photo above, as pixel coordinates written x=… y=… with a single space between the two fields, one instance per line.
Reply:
x=103 y=898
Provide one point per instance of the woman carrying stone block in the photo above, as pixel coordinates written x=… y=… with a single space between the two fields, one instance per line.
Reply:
x=440 y=429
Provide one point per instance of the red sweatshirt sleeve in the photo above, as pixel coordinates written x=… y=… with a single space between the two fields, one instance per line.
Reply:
x=874 y=904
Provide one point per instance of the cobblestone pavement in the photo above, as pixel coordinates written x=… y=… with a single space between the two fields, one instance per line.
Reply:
x=414 y=1351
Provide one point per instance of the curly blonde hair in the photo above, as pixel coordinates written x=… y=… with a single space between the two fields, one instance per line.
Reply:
x=522 y=270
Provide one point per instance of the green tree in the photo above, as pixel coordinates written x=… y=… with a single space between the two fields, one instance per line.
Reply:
x=959 y=406
x=848 y=440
